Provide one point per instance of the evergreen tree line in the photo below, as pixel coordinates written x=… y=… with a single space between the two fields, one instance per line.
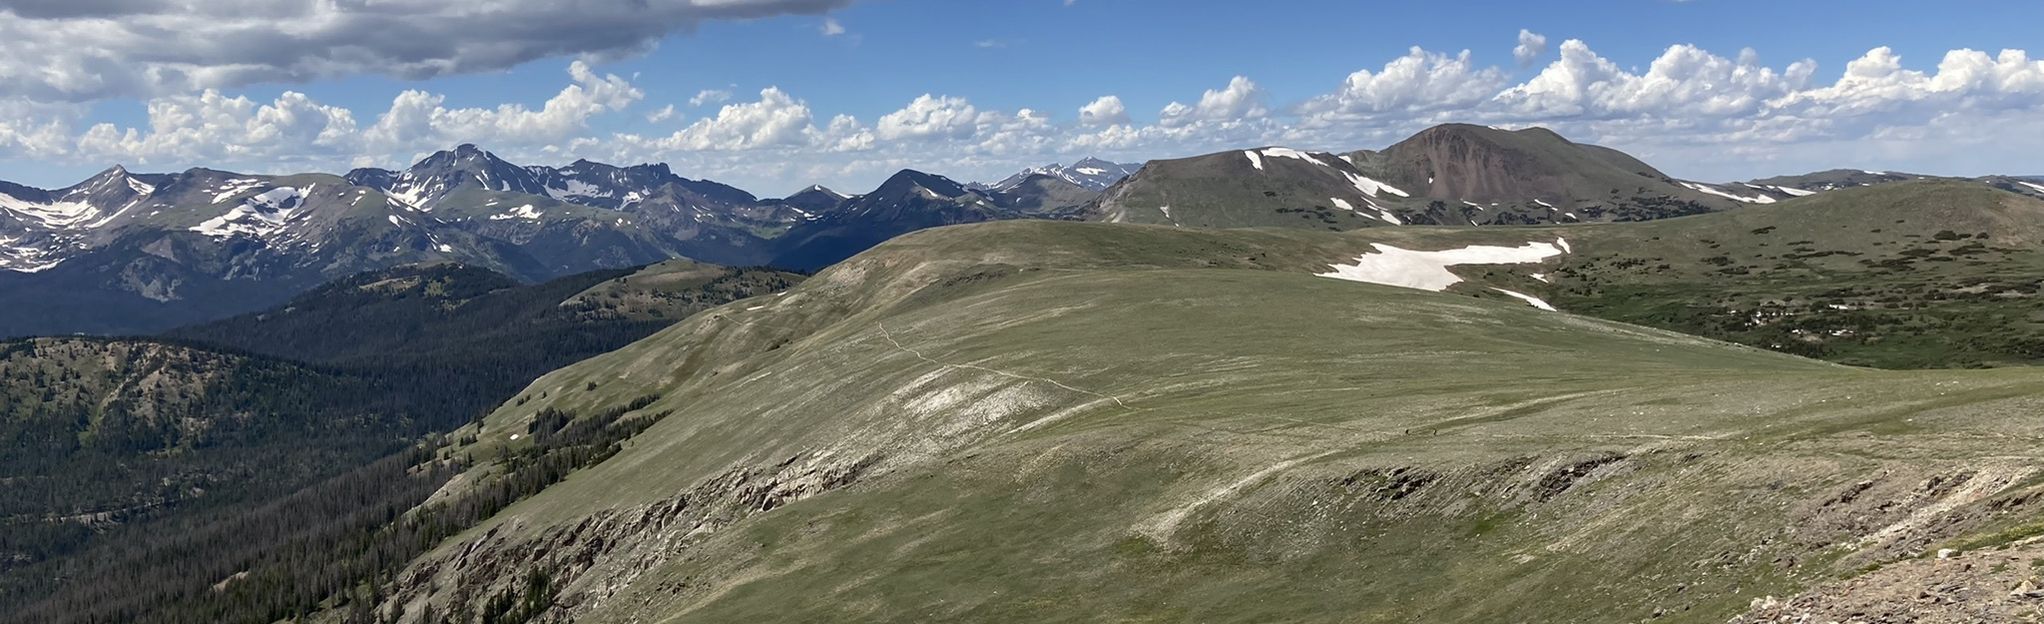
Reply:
x=336 y=545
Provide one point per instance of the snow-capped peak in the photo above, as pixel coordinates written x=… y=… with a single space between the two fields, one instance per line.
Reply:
x=1090 y=173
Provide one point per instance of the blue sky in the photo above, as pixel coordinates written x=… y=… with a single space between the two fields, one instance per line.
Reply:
x=162 y=107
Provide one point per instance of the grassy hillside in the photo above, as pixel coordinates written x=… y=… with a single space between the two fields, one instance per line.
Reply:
x=1910 y=274
x=1904 y=275
x=1076 y=422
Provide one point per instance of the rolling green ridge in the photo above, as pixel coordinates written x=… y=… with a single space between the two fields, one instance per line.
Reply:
x=1073 y=422
x=1930 y=273
x=1922 y=274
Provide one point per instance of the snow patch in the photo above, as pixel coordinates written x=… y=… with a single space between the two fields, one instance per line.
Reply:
x=1428 y=270
x=54 y=214
x=578 y=188
x=1702 y=188
x=25 y=258
x=2036 y=187
x=1286 y=152
x=259 y=216
x=1381 y=213
x=1372 y=187
x=232 y=188
x=1254 y=159
x=522 y=212
x=1529 y=299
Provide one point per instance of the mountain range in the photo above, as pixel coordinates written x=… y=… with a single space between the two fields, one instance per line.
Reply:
x=123 y=252
x=1092 y=174
x=126 y=253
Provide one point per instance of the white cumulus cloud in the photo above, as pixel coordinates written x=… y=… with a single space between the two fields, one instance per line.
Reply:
x=1420 y=81
x=1691 y=111
x=1241 y=99
x=928 y=117
x=1531 y=47
x=1105 y=111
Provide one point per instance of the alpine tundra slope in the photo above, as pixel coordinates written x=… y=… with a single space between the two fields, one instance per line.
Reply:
x=1042 y=421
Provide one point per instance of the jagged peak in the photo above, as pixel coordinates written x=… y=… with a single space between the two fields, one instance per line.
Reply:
x=934 y=183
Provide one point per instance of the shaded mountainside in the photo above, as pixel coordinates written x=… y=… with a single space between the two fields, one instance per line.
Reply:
x=213 y=429
x=980 y=389
x=908 y=201
x=470 y=332
x=1047 y=197
x=72 y=401
x=814 y=200
x=106 y=437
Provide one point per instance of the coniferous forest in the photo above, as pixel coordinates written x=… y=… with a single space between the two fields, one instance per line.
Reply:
x=204 y=477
